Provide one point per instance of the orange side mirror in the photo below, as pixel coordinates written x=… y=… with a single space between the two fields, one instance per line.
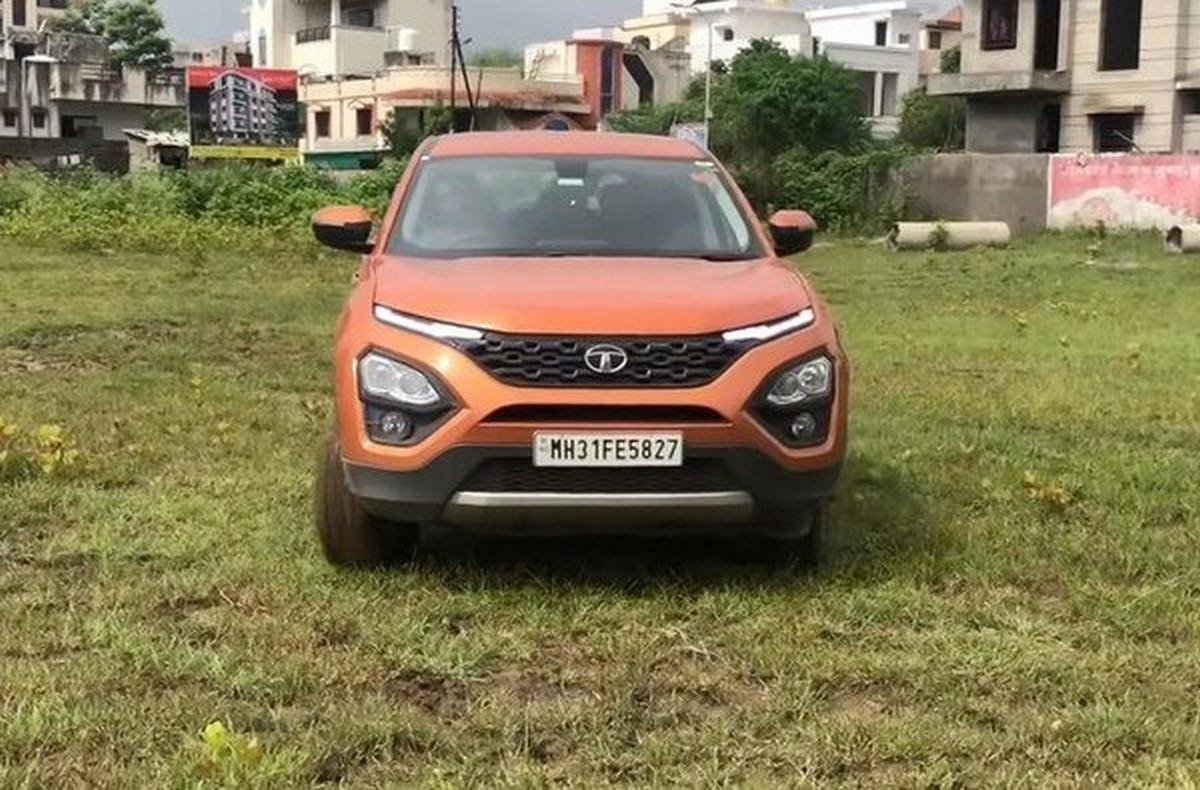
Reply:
x=344 y=228
x=793 y=231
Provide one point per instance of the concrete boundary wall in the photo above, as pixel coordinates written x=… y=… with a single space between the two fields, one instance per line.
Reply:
x=1008 y=188
x=1033 y=192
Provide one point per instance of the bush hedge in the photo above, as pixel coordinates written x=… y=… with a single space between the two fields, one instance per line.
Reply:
x=235 y=207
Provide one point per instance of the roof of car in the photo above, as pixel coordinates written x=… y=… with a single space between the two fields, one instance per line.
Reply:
x=546 y=143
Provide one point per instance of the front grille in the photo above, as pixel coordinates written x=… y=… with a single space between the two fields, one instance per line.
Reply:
x=584 y=414
x=512 y=475
x=559 y=361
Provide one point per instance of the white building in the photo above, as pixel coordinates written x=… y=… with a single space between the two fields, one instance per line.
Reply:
x=322 y=38
x=880 y=42
x=735 y=23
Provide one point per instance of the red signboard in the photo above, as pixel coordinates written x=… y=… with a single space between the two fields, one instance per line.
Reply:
x=1124 y=190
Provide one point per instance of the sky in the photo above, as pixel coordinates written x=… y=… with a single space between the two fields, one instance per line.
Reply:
x=491 y=23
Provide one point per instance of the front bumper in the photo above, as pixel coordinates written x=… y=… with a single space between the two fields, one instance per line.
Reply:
x=497 y=489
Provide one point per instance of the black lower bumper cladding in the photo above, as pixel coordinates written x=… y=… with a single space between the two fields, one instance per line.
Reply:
x=429 y=494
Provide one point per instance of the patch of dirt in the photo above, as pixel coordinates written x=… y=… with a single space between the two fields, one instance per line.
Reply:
x=47 y=652
x=336 y=633
x=429 y=691
x=866 y=705
x=177 y=609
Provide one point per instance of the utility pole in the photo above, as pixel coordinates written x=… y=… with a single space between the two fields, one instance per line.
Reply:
x=453 y=63
x=462 y=62
x=708 y=66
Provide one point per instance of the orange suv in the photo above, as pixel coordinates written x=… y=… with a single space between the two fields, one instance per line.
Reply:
x=578 y=332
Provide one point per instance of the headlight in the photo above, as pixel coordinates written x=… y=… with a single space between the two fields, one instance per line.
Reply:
x=810 y=381
x=386 y=379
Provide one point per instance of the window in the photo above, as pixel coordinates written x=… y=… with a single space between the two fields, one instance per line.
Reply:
x=262 y=50
x=39 y=119
x=364 y=119
x=1049 y=129
x=816 y=46
x=866 y=93
x=903 y=39
x=359 y=17
x=18 y=16
x=881 y=34
x=727 y=34
x=1114 y=132
x=10 y=119
x=607 y=81
x=1120 y=34
x=999 y=24
x=585 y=206
x=321 y=122
x=889 y=94
x=935 y=39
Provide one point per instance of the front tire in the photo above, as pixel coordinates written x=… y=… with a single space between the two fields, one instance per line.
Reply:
x=350 y=536
x=810 y=549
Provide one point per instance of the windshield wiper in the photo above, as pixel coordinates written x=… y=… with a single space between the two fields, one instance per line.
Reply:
x=725 y=256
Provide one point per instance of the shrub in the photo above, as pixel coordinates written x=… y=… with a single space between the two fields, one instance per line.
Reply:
x=935 y=122
x=243 y=207
x=844 y=192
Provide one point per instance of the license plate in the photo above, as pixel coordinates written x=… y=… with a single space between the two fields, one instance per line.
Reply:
x=608 y=449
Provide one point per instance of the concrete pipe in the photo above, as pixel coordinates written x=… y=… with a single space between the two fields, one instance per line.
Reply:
x=1183 y=238
x=948 y=235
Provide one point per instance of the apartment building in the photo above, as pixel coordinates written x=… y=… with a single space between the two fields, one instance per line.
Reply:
x=242 y=109
x=1079 y=75
x=336 y=38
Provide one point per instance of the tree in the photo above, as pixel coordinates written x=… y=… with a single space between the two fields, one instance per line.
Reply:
x=134 y=29
x=937 y=122
x=772 y=101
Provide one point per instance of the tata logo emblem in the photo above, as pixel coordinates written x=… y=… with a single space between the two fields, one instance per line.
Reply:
x=606 y=359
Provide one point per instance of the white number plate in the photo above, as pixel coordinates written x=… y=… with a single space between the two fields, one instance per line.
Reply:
x=608 y=449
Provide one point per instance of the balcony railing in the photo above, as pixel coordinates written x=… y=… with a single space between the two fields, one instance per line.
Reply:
x=311 y=34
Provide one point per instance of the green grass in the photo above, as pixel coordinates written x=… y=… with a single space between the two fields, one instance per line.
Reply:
x=1016 y=599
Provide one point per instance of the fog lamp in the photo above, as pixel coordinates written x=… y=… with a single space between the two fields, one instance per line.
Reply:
x=395 y=426
x=804 y=426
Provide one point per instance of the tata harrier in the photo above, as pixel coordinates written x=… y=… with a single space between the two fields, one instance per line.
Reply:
x=569 y=332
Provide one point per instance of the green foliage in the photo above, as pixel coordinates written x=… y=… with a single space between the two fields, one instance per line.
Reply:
x=771 y=102
x=496 y=57
x=185 y=212
x=168 y=119
x=951 y=61
x=656 y=118
x=45 y=451
x=790 y=130
x=134 y=29
x=933 y=122
x=844 y=192
x=403 y=136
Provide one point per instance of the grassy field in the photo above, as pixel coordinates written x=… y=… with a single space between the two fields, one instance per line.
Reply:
x=1016 y=598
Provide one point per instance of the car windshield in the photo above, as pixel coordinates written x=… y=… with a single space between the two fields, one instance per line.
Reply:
x=545 y=206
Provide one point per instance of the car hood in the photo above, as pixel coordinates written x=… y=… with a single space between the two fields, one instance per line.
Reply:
x=655 y=296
